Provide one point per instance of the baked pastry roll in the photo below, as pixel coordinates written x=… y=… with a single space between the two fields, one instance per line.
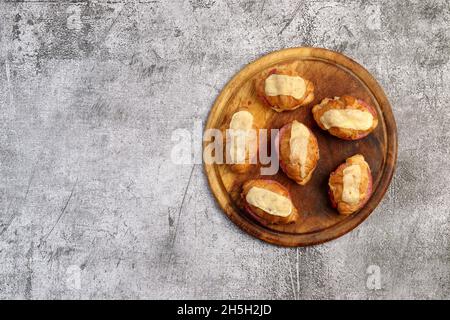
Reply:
x=241 y=140
x=350 y=185
x=346 y=117
x=268 y=202
x=298 y=151
x=284 y=89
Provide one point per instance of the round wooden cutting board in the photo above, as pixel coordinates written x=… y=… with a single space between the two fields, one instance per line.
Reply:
x=333 y=74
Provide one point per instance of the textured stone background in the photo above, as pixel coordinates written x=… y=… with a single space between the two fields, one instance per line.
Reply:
x=90 y=93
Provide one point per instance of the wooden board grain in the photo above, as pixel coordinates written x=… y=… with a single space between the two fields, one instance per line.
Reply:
x=333 y=74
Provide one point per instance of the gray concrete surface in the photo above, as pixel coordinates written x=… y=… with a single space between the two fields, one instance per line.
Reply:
x=91 y=205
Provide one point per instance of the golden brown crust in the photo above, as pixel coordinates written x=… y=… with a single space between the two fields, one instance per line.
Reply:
x=249 y=163
x=292 y=170
x=344 y=102
x=281 y=102
x=336 y=185
x=260 y=215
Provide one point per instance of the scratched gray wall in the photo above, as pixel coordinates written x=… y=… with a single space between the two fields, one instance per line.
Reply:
x=91 y=205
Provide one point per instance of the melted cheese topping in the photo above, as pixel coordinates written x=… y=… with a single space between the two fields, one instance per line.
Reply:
x=299 y=145
x=269 y=202
x=241 y=120
x=347 y=119
x=352 y=180
x=240 y=135
x=280 y=84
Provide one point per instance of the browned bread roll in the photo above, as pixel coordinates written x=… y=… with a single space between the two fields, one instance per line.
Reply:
x=350 y=185
x=298 y=151
x=346 y=117
x=268 y=202
x=240 y=133
x=284 y=89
